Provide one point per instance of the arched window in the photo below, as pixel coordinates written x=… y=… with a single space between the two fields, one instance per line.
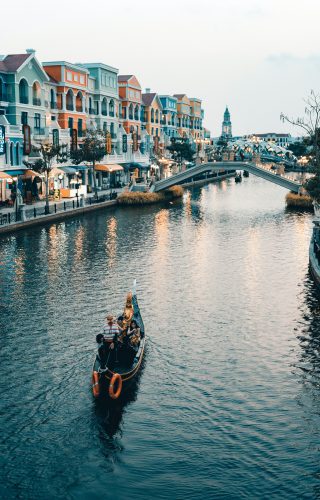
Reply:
x=104 y=107
x=79 y=99
x=90 y=106
x=152 y=115
x=36 y=94
x=105 y=127
x=157 y=116
x=136 y=112
x=111 y=107
x=11 y=154
x=18 y=153
x=23 y=92
x=112 y=130
x=53 y=102
x=69 y=100
x=131 y=112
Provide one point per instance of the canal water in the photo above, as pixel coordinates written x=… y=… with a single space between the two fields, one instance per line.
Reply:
x=228 y=401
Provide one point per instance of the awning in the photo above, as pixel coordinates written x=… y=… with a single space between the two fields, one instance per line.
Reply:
x=82 y=167
x=140 y=165
x=55 y=171
x=30 y=174
x=4 y=176
x=14 y=173
x=69 y=170
x=109 y=168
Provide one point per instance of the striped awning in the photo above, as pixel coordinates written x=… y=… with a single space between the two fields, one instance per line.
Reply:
x=4 y=176
x=109 y=168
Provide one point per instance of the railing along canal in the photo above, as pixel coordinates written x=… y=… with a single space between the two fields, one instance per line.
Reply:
x=12 y=216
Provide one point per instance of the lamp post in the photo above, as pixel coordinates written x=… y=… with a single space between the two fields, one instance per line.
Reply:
x=77 y=188
x=60 y=177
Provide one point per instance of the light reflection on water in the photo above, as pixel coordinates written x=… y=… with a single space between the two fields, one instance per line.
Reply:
x=227 y=404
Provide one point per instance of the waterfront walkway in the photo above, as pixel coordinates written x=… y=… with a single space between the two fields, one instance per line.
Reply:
x=258 y=170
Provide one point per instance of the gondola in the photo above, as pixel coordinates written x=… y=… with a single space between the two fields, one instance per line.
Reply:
x=111 y=381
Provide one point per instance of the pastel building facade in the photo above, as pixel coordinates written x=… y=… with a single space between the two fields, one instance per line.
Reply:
x=131 y=100
x=169 y=115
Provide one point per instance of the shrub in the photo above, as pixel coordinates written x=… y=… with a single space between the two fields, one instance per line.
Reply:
x=140 y=198
x=300 y=201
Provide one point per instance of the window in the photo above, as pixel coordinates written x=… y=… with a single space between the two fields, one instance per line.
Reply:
x=70 y=125
x=80 y=128
x=82 y=79
x=69 y=76
x=24 y=118
x=37 y=120
x=76 y=77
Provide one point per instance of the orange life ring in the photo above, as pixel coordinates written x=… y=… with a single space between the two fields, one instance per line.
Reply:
x=112 y=393
x=95 y=384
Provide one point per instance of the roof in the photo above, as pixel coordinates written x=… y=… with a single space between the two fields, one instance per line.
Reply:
x=179 y=96
x=124 y=78
x=148 y=98
x=12 y=62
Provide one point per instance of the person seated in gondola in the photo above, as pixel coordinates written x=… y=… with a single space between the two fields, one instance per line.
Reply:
x=133 y=339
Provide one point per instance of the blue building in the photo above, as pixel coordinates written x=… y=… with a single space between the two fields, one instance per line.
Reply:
x=169 y=115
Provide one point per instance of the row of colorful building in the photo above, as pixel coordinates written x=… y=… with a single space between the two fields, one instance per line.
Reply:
x=58 y=101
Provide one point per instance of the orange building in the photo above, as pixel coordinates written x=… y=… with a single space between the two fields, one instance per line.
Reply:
x=130 y=97
x=68 y=94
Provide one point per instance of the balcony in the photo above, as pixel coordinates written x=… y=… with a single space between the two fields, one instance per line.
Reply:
x=24 y=99
x=53 y=105
x=70 y=107
x=36 y=101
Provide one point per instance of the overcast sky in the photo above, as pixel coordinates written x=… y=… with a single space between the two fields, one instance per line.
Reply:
x=260 y=57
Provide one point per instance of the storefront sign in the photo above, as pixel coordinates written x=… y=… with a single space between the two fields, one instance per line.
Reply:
x=26 y=139
x=135 y=141
x=124 y=143
x=74 y=139
x=108 y=143
x=2 y=139
x=55 y=137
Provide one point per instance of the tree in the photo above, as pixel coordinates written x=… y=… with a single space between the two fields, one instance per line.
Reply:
x=181 y=150
x=299 y=148
x=50 y=153
x=310 y=123
x=92 y=149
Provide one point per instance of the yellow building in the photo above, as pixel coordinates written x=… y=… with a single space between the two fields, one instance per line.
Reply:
x=183 y=114
x=152 y=113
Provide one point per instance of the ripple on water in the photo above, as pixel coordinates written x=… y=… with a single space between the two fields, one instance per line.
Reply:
x=227 y=404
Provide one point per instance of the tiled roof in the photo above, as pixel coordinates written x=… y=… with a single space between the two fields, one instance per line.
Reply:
x=148 y=98
x=12 y=62
x=124 y=78
x=179 y=96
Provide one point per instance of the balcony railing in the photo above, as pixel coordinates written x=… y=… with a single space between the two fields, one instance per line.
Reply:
x=39 y=131
x=70 y=107
x=24 y=99
x=36 y=101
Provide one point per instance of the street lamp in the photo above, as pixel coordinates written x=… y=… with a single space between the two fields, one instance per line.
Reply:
x=77 y=188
